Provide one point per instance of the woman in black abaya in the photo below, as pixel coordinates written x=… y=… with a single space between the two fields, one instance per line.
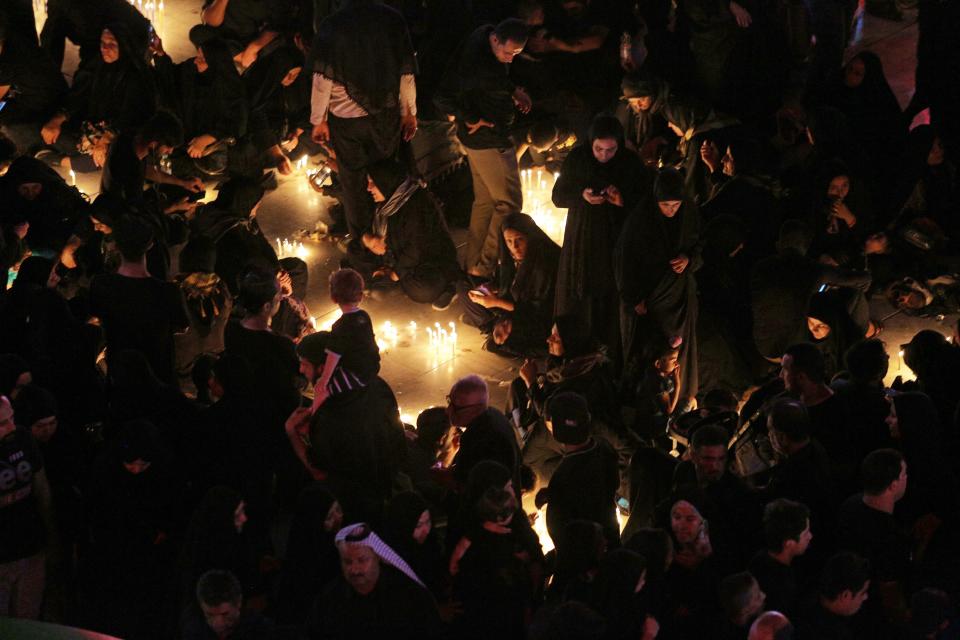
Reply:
x=657 y=255
x=599 y=184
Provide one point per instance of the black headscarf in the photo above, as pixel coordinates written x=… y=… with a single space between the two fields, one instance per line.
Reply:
x=402 y=515
x=669 y=185
x=33 y=274
x=307 y=533
x=138 y=440
x=263 y=79
x=575 y=337
x=368 y=68
x=620 y=571
x=111 y=81
x=239 y=196
x=539 y=262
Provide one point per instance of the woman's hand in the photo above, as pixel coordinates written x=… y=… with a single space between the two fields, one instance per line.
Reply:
x=741 y=15
x=679 y=264
x=473 y=127
x=528 y=372
x=51 y=131
x=841 y=211
x=522 y=100
x=100 y=151
x=710 y=155
x=593 y=198
x=641 y=308
x=193 y=185
x=502 y=330
x=199 y=144
x=612 y=195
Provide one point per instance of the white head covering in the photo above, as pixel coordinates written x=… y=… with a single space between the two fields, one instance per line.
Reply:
x=379 y=547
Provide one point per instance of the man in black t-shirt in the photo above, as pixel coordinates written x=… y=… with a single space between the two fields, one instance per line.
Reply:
x=24 y=519
x=786 y=532
x=138 y=311
x=843 y=590
x=867 y=526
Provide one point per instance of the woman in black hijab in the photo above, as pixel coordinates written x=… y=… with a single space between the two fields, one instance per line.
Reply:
x=831 y=329
x=863 y=95
x=408 y=529
x=278 y=92
x=928 y=190
x=841 y=215
x=599 y=184
x=657 y=256
x=216 y=539
x=617 y=594
x=312 y=560
x=518 y=311
x=115 y=94
x=207 y=93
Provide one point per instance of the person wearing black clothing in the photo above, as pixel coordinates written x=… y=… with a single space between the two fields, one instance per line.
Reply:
x=114 y=95
x=131 y=160
x=865 y=396
x=618 y=595
x=803 y=371
x=844 y=583
x=26 y=520
x=217 y=613
x=487 y=435
x=138 y=311
x=585 y=484
x=517 y=306
x=207 y=94
x=935 y=362
x=657 y=254
x=600 y=184
x=311 y=559
x=409 y=238
x=135 y=517
x=786 y=532
x=484 y=101
x=372 y=599
x=868 y=527
x=33 y=87
x=82 y=21
x=247 y=26
x=782 y=286
x=802 y=472
x=279 y=96
x=408 y=529
x=364 y=95
x=732 y=509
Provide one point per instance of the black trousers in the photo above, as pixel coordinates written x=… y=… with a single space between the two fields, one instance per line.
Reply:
x=360 y=143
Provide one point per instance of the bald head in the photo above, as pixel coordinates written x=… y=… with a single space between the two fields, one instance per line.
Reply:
x=771 y=625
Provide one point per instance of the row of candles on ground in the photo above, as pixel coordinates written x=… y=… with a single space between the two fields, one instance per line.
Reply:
x=440 y=338
x=528 y=182
x=538 y=202
x=291 y=249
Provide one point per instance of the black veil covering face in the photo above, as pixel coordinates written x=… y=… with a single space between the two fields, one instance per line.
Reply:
x=371 y=75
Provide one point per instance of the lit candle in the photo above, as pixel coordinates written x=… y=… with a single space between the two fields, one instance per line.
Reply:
x=73 y=178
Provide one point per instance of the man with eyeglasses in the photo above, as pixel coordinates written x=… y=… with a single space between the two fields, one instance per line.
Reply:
x=486 y=433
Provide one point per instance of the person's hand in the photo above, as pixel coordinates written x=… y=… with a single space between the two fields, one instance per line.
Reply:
x=641 y=308
x=650 y=151
x=286 y=284
x=291 y=141
x=528 y=372
x=679 y=264
x=593 y=198
x=522 y=100
x=502 y=330
x=841 y=211
x=741 y=15
x=100 y=151
x=321 y=132
x=473 y=127
x=284 y=166
x=198 y=145
x=710 y=155
x=21 y=228
x=650 y=628
x=299 y=421
x=408 y=127
x=248 y=56
x=68 y=256
x=183 y=204
x=483 y=301
x=612 y=195
x=51 y=131
x=156 y=46
x=193 y=185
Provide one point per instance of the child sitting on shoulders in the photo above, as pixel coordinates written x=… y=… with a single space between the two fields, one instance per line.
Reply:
x=352 y=355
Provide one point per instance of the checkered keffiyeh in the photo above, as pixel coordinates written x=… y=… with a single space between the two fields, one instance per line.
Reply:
x=373 y=541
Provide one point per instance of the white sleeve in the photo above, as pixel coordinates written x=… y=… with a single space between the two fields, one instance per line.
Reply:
x=320 y=98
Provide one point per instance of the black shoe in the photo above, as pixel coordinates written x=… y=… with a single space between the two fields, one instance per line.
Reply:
x=445 y=299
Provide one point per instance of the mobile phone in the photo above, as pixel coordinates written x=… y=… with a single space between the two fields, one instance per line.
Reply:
x=623 y=503
x=196 y=196
x=822 y=288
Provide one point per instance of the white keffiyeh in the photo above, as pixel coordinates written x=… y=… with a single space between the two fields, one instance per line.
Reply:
x=379 y=547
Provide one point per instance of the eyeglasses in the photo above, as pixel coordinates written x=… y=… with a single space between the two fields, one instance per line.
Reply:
x=459 y=407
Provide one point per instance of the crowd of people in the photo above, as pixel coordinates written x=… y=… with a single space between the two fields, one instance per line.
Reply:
x=700 y=418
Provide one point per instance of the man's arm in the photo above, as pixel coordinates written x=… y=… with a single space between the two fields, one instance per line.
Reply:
x=214 y=13
x=296 y=427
